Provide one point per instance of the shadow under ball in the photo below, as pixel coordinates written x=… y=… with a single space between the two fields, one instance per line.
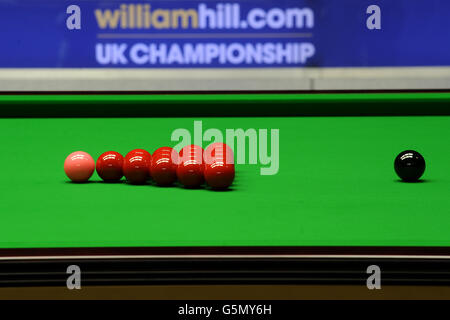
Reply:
x=409 y=165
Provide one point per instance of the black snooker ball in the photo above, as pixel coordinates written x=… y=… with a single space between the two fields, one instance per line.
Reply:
x=409 y=165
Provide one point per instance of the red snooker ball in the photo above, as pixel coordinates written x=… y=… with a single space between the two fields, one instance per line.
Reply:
x=191 y=166
x=219 y=150
x=219 y=175
x=164 y=166
x=136 y=166
x=110 y=166
x=219 y=166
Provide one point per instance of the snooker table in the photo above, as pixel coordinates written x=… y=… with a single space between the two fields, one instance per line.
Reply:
x=334 y=207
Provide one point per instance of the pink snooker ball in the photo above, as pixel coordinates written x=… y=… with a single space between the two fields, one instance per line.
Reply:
x=79 y=166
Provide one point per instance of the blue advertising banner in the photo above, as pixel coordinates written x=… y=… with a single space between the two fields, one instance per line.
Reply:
x=222 y=34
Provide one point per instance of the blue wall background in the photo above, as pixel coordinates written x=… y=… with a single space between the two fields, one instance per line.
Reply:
x=414 y=33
